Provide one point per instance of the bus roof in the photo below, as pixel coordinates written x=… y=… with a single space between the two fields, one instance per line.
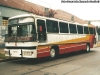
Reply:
x=22 y=15
x=43 y=17
x=36 y=16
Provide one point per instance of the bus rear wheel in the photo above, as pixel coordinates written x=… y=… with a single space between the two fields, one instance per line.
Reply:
x=88 y=47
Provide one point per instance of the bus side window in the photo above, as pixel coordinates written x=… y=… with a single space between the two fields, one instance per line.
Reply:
x=49 y=26
x=91 y=30
x=72 y=28
x=52 y=26
x=80 y=29
x=86 y=30
x=63 y=27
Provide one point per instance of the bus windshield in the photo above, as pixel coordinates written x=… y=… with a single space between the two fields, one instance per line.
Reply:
x=21 y=32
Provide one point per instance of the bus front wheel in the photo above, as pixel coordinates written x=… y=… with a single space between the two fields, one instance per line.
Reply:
x=53 y=53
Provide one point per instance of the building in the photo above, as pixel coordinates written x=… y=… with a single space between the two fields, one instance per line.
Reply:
x=6 y=11
x=9 y=8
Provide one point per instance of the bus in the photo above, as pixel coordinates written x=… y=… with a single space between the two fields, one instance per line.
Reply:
x=33 y=36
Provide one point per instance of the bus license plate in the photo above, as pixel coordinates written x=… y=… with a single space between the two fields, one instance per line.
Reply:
x=15 y=52
x=27 y=53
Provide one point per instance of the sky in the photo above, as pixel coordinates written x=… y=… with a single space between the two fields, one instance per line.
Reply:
x=85 y=11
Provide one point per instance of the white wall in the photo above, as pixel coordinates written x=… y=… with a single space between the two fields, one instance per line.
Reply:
x=96 y=23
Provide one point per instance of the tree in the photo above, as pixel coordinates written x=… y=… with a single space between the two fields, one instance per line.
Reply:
x=39 y=10
x=50 y=13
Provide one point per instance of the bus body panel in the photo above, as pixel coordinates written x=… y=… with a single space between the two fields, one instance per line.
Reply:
x=43 y=51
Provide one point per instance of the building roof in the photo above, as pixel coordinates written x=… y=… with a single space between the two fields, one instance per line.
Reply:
x=39 y=10
x=67 y=16
x=22 y=4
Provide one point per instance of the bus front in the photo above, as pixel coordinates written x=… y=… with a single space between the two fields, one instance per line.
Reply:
x=21 y=38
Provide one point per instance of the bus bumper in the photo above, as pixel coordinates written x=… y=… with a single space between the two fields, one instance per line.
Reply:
x=26 y=53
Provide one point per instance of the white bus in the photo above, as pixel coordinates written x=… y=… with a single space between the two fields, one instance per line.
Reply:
x=32 y=36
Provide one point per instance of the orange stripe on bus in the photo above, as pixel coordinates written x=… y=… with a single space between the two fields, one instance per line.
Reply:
x=43 y=49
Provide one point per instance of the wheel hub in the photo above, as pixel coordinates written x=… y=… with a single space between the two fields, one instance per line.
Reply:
x=52 y=53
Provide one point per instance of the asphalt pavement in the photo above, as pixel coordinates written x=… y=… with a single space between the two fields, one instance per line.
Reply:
x=80 y=63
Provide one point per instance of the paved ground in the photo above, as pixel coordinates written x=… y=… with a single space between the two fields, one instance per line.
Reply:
x=72 y=64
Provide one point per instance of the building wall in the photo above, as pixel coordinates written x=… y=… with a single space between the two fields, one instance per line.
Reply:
x=0 y=20
x=7 y=12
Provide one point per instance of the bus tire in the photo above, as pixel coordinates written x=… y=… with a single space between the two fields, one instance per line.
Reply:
x=53 y=53
x=87 y=47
